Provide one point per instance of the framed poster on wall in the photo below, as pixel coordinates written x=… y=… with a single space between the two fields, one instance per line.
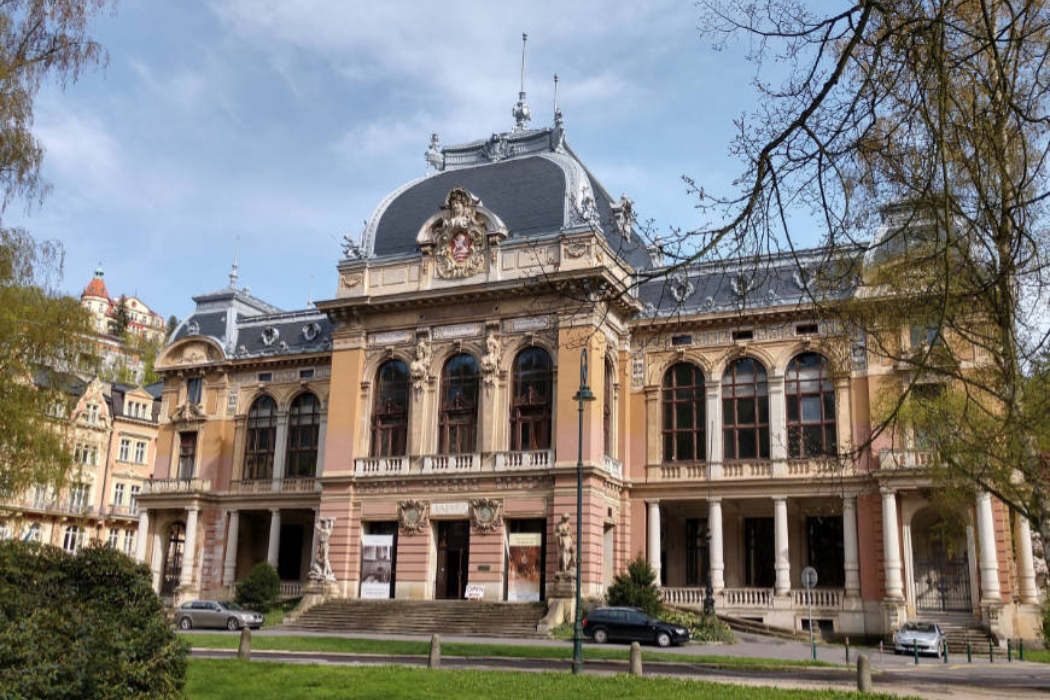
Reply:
x=376 y=565
x=524 y=560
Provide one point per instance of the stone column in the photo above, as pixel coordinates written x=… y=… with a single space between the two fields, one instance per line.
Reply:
x=274 y=544
x=989 y=560
x=322 y=434
x=143 y=533
x=713 y=429
x=229 y=565
x=313 y=540
x=843 y=415
x=280 y=449
x=157 y=560
x=717 y=563
x=1026 y=562
x=654 y=538
x=189 y=552
x=777 y=424
x=782 y=563
x=891 y=545
x=849 y=546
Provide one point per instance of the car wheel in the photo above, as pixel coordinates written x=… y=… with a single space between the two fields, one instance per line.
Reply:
x=232 y=624
x=601 y=636
x=663 y=639
x=185 y=623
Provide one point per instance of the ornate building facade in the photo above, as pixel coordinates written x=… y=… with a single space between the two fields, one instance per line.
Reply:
x=426 y=414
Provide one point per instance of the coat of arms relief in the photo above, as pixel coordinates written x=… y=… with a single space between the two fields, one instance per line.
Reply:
x=459 y=235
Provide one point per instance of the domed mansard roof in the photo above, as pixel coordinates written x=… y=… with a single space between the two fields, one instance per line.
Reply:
x=96 y=287
x=529 y=178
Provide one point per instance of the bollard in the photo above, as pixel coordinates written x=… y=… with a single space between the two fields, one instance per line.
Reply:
x=991 y=652
x=847 y=649
x=915 y=648
x=435 y=652
x=945 y=651
x=244 y=649
x=969 y=654
x=863 y=674
x=880 y=651
x=1020 y=650
x=636 y=659
x=1009 y=652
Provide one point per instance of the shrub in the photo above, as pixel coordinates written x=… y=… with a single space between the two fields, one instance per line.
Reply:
x=703 y=628
x=637 y=588
x=83 y=626
x=1045 y=610
x=260 y=589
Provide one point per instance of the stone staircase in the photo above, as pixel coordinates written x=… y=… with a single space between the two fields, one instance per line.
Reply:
x=961 y=628
x=423 y=617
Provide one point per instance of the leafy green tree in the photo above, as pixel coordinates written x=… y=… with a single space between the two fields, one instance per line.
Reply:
x=636 y=588
x=259 y=590
x=173 y=323
x=121 y=319
x=83 y=626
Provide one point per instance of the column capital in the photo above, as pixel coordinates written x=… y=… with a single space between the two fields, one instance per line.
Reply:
x=887 y=491
x=779 y=498
x=714 y=499
x=193 y=508
x=849 y=500
x=275 y=511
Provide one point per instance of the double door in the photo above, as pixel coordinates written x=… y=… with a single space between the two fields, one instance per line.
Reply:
x=453 y=559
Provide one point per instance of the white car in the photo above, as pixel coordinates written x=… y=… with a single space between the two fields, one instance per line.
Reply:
x=926 y=635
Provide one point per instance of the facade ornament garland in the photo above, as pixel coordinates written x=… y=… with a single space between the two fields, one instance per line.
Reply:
x=269 y=336
x=486 y=514
x=458 y=236
x=413 y=516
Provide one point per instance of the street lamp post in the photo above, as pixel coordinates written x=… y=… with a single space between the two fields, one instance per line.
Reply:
x=582 y=395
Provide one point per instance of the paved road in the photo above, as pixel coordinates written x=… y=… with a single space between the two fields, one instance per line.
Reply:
x=933 y=681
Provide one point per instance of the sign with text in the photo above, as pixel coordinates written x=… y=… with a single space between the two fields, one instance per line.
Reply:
x=444 y=509
x=475 y=591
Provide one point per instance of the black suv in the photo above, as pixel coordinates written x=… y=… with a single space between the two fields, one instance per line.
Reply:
x=631 y=625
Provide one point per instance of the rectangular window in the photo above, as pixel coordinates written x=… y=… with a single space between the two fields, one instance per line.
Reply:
x=129 y=542
x=806 y=329
x=111 y=539
x=133 y=502
x=187 y=454
x=306 y=374
x=193 y=390
x=682 y=340
x=92 y=413
x=125 y=450
x=140 y=453
x=743 y=335
x=265 y=376
x=118 y=494
x=78 y=496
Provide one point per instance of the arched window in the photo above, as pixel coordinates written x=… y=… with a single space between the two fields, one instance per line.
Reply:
x=607 y=408
x=745 y=410
x=304 y=424
x=390 y=410
x=683 y=419
x=458 y=420
x=810 y=397
x=530 y=407
x=173 y=553
x=260 y=440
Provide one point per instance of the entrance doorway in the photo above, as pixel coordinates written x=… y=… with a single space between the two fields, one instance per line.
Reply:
x=173 y=559
x=696 y=556
x=941 y=565
x=758 y=552
x=290 y=553
x=452 y=559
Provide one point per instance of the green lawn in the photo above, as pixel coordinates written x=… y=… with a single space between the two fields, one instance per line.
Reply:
x=275 y=615
x=1040 y=655
x=395 y=646
x=209 y=678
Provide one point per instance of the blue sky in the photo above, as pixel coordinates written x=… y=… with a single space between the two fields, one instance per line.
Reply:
x=284 y=123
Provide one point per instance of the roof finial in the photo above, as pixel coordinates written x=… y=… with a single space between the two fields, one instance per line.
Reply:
x=521 y=112
x=233 y=269
x=98 y=270
x=557 y=110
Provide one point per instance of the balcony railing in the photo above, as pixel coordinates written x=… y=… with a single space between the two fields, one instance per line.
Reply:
x=813 y=467
x=294 y=484
x=904 y=459
x=613 y=466
x=442 y=464
x=379 y=466
x=747 y=597
x=123 y=511
x=823 y=598
x=747 y=470
x=291 y=589
x=160 y=486
x=683 y=596
x=533 y=459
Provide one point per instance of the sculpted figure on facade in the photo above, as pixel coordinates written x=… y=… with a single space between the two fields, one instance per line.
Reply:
x=490 y=360
x=566 y=546
x=420 y=367
x=321 y=570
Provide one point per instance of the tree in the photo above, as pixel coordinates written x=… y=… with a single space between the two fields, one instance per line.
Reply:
x=121 y=319
x=636 y=588
x=83 y=626
x=39 y=40
x=940 y=108
x=173 y=323
x=259 y=590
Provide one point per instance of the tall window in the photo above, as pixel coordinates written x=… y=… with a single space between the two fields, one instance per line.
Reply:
x=530 y=408
x=33 y=533
x=187 y=454
x=683 y=418
x=79 y=495
x=193 y=390
x=173 y=558
x=810 y=397
x=118 y=494
x=304 y=425
x=745 y=410
x=458 y=420
x=260 y=439
x=140 y=453
x=133 y=504
x=72 y=539
x=390 y=410
x=111 y=539
x=607 y=406
x=124 y=454
x=129 y=541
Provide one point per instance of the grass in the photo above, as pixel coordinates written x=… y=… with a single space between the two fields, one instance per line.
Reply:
x=421 y=648
x=275 y=615
x=209 y=678
x=1040 y=655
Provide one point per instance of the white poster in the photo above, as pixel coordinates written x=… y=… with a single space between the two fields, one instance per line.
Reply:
x=524 y=562
x=377 y=560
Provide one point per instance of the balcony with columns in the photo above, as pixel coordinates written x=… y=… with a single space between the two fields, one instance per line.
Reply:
x=468 y=463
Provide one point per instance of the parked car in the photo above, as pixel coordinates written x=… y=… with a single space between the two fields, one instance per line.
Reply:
x=631 y=625
x=926 y=635
x=214 y=613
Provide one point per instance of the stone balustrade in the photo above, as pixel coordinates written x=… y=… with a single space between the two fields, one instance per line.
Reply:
x=904 y=459
x=380 y=466
x=534 y=459
x=613 y=467
x=160 y=486
x=297 y=484
x=823 y=598
x=444 y=464
x=747 y=598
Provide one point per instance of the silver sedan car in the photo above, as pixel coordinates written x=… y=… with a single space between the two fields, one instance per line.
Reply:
x=927 y=636
x=213 y=613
